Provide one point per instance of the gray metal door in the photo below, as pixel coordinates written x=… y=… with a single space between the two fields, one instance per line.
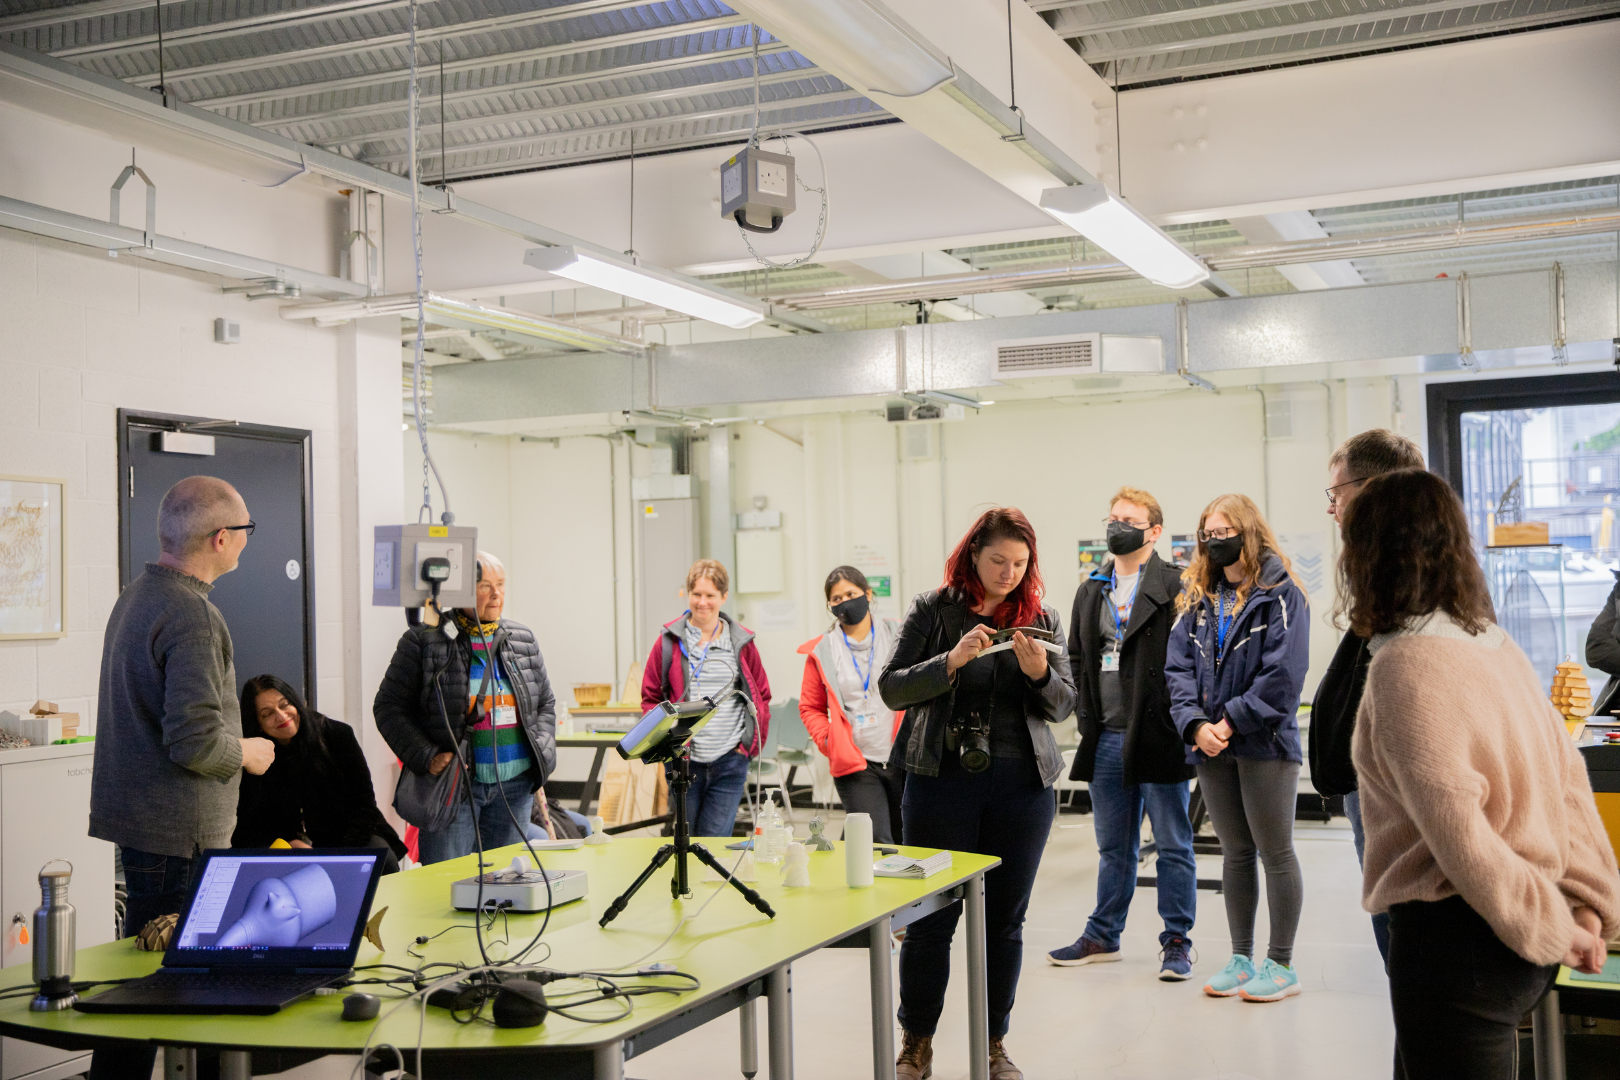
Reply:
x=268 y=600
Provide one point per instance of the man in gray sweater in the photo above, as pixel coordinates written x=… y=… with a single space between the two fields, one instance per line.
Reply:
x=169 y=751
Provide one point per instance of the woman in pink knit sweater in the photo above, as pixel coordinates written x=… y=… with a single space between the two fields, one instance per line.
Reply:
x=1483 y=840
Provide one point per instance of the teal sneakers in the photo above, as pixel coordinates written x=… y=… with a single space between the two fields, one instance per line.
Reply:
x=1272 y=982
x=1231 y=979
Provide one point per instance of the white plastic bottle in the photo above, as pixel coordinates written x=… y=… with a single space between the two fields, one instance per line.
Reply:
x=773 y=843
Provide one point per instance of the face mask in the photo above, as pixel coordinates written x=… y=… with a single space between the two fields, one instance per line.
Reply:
x=1124 y=538
x=1223 y=553
x=851 y=611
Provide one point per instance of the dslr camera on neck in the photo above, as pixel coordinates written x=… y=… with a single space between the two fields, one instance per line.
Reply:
x=969 y=736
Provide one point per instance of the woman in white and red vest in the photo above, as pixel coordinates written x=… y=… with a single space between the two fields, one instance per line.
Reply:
x=705 y=653
x=842 y=709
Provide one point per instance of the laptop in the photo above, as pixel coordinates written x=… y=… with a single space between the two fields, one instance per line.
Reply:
x=261 y=930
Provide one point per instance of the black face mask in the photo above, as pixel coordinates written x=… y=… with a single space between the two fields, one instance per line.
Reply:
x=851 y=611
x=1223 y=553
x=1124 y=538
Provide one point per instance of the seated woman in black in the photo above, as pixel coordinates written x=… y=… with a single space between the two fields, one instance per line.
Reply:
x=318 y=793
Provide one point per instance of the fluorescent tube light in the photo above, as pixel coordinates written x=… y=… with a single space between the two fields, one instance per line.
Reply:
x=1114 y=225
x=870 y=43
x=645 y=284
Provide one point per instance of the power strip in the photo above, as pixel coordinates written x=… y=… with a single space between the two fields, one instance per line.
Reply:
x=524 y=892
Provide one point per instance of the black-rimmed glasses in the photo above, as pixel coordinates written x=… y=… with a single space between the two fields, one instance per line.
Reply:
x=248 y=528
x=1206 y=535
x=1143 y=525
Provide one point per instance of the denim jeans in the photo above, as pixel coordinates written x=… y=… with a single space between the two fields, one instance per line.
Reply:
x=156 y=884
x=1006 y=812
x=1457 y=993
x=485 y=819
x=716 y=791
x=1352 y=811
x=1117 y=809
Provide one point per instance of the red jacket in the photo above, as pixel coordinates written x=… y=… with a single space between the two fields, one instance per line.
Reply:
x=663 y=677
x=823 y=713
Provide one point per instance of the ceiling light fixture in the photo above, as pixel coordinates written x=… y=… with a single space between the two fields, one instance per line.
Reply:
x=1115 y=226
x=650 y=286
x=871 y=44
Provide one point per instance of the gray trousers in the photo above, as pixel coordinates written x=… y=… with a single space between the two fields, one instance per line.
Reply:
x=1251 y=804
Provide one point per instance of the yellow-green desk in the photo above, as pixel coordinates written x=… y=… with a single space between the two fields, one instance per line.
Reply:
x=739 y=955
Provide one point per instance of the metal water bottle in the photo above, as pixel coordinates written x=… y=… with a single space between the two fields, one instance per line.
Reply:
x=54 y=940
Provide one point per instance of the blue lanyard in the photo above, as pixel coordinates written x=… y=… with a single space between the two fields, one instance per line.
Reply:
x=1222 y=623
x=871 y=661
x=1113 y=588
x=697 y=667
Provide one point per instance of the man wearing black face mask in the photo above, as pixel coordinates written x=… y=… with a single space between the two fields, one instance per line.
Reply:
x=1130 y=752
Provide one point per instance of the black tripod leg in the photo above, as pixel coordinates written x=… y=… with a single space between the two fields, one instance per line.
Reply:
x=749 y=894
x=659 y=859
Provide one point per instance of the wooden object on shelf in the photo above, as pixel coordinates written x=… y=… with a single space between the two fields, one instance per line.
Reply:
x=632 y=685
x=1572 y=696
x=592 y=693
x=1521 y=534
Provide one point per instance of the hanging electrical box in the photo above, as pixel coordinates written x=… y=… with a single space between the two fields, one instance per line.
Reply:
x=757 y=189
x=396 y=565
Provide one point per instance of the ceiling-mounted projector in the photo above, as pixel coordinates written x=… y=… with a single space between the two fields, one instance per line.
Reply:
x=756 y=189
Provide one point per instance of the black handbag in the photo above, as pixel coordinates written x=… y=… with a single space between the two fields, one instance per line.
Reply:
x=430 y=802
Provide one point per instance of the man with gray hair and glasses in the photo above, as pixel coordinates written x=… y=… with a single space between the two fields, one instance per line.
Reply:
x=169 y=751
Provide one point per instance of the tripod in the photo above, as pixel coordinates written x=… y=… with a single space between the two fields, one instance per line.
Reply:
x=679 y=887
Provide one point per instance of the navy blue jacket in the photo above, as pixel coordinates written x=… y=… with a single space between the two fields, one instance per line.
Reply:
x=1256 y=682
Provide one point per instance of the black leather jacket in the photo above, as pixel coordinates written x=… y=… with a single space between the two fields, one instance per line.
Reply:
x=915 y=680
x=407 y=710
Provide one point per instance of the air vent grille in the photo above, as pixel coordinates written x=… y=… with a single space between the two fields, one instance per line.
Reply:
x=1045 y=357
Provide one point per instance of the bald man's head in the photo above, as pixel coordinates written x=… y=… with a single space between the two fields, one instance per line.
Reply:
x=194 y=509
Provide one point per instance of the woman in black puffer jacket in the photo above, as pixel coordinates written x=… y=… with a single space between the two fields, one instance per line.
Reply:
x=977 y=743
x=438 y=692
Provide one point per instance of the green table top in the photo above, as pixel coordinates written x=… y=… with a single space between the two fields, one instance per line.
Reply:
x=730 y=945
x=591 y=738
x=1608 y=979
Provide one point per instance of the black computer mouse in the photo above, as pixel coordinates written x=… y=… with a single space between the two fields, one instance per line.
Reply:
x=520 y=1004
x=361 y=1006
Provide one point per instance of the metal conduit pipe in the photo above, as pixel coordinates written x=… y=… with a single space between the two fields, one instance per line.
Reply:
x=1237 y=258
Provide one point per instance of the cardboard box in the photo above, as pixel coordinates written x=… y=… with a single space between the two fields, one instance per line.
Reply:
x=1521 y=534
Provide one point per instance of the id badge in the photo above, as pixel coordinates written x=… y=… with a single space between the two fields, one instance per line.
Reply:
x=504 y=716
x=1110 y=661
x=865 y=719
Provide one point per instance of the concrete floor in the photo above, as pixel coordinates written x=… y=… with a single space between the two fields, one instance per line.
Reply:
x=1114 y=1021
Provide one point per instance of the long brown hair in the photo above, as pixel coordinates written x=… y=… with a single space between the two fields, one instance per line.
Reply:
x=1023 y=604
x=1407 y=554
x=1200 y=580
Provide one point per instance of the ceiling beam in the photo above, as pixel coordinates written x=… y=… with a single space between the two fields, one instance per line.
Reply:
x=1415 y=9
x=429 y=87
x=352 y=49
x=68 y=13
x=215 y=31
x=772 y=108
x=430 y=129
x=1069 y=25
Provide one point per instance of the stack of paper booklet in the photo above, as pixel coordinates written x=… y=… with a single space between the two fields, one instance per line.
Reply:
x=906 y=866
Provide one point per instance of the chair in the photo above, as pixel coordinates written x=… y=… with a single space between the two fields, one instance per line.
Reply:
x=793 y=746
x=766 y=768
x=1064 y=784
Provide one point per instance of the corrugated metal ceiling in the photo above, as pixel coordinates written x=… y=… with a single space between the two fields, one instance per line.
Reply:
x=1145 y=41
x=522 y=84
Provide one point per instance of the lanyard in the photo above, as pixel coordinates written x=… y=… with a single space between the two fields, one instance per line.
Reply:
x=1113 y=589
x=871 y=661
x=697 y=666
x=1222 y=623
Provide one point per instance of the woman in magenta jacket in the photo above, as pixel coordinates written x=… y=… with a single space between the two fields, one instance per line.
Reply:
x=842 y=709
x=705 y=653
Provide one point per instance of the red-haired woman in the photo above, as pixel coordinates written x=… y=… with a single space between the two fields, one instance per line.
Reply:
x=978 y=746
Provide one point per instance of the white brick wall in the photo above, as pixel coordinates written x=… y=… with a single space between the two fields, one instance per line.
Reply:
x=86 y=335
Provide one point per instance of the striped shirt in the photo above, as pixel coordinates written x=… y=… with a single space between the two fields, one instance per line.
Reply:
x=500 y=749
x=712 y=671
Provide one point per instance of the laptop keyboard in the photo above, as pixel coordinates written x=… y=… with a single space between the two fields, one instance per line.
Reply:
x=267 y=982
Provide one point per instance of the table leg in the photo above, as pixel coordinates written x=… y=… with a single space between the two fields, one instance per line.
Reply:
x=779 y=994
x=235 y=1065
x=750 y=1038
x=179 y=1063
x=1547 y=1035
x=587 y=794
x=978 y=994
x=609 y=1063
x=879 y=942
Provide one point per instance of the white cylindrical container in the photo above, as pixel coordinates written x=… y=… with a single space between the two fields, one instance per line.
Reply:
x=858 y=851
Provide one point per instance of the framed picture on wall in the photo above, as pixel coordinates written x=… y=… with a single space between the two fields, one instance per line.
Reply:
x=33 y=555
